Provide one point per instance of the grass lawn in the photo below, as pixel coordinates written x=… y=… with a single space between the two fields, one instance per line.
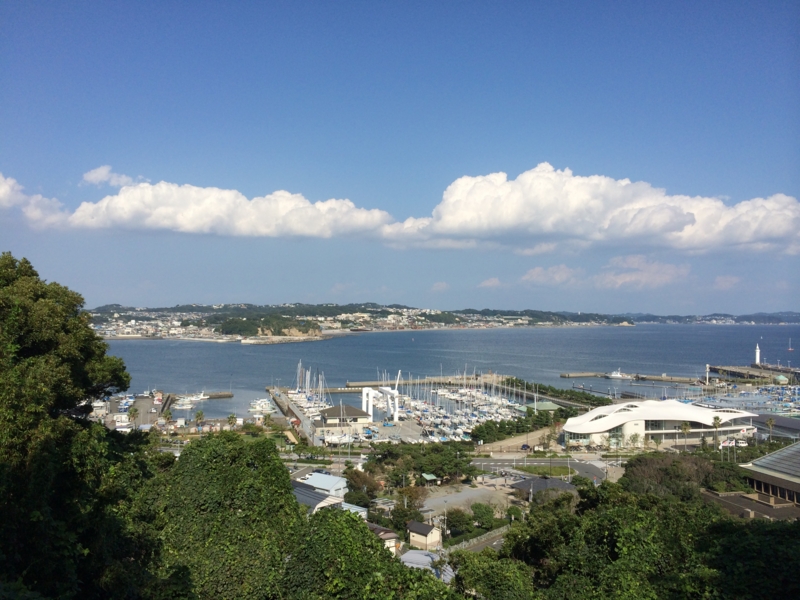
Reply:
x=555 y=471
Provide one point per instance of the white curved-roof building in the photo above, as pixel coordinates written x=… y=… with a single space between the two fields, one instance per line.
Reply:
x=654 y=420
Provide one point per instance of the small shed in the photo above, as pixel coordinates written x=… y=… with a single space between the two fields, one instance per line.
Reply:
x=423 y=536
x=430 y=479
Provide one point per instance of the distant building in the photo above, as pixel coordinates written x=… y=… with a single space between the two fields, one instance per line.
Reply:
x=422 y=559
x=312 y=499
x=389 y=538
x=423 y=536
x=344 y=419
x=777 y=474
x=329 y=485
x=655 y=420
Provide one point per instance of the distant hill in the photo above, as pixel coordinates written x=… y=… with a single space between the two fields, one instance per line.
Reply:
x=449 y=317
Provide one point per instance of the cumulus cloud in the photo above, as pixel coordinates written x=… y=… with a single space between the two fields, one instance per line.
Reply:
x=637 y=272
x=725 y=282
x=556 y=275
x=547 y=206
x=192 y=209
x=492 y=282
x=543 y=210
x=11 y=193
x=440 y=286
x=105 y=175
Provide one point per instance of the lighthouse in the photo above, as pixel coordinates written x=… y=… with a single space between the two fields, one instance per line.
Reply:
x=758 y=355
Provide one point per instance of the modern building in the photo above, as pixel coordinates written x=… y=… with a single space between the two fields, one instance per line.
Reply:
x=330 y=485
x=423 y=536
x=640 y=422
x=777 y=474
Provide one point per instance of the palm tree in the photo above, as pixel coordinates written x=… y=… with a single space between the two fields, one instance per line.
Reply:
x=167 y=414
x=232 y=420
x=685 y=429
x=657 y=440
x=770 y=423
x=716 y=424
x=198 y=417
x=132 y=414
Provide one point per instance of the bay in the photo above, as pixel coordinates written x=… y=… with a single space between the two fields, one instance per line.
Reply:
x=534 y=354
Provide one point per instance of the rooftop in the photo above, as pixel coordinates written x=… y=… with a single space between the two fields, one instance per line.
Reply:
x=325 y=482
x=604 y=418
x=420 y=528
x=344 y=410
x=782 y=463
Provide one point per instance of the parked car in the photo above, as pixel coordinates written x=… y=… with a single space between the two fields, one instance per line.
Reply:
x=526 y=447
x=322 y=471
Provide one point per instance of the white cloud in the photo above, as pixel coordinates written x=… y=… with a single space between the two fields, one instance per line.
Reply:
x=105 y=175
x=191 y=209
x=549 y=203
x=492 y=282
x=440 y=286
x=11 y=193
x=637 y=272
x=725 y=282
x=543 y=210
x=556 y=275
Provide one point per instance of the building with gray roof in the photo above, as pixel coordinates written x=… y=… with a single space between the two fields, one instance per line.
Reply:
x=777 y=474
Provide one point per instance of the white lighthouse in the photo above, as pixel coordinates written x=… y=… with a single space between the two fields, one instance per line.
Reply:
x=758 y=355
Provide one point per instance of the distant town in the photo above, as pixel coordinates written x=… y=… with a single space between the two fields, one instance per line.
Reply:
x=250 y=323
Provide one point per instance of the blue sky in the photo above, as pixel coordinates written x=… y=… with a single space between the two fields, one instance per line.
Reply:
x=603 y=157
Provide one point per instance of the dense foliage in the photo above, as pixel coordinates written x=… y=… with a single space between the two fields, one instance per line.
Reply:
x=259 y=324
x=612 y=542
x=547 y=390
x=404 y=464
x=497 y=431
x=90 y=513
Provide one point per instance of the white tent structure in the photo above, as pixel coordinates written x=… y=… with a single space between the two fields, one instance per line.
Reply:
x=640 y=421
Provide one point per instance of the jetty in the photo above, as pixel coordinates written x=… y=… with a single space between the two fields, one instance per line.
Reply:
x=634 y=377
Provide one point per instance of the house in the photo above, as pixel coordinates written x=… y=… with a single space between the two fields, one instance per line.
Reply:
x=423 y=536
x=311 y=498
x=430 y=479
x=390 y=539
x=330 y=485
x=356 y=510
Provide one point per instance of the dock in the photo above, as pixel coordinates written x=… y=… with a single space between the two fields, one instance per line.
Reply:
x=637 y=377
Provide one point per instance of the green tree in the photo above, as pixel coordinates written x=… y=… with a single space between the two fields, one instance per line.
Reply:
x=66 y=484
x=133 y=414
x=340 y=558
x=232 y=420
x=716 y=423
x=770 y=423
x=484 y=515
x=460 y=521
x=239 y=496
x=167 y=414
x=486 y=575
x=199 y=416
x=685 y=429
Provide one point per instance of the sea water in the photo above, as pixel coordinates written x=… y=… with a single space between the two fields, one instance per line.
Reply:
x=538 y=354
